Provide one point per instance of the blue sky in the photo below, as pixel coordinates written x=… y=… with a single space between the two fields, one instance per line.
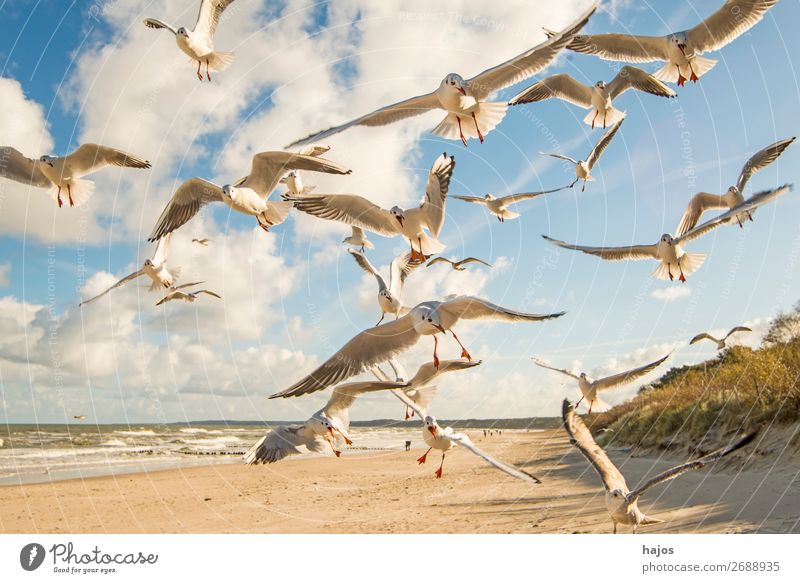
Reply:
x=617 y=315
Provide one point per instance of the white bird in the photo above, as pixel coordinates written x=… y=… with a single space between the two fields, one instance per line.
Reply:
x=248 y=196
x=721 y=343
x=156 y=269
x=79 y=417
x=357 y=238
x=321 y=431
x=583 y=168
x=590 y=387
x=499 y=206
x=668 y=251
x=65 y=173
x=177 y=293
x=382 y=343
x=198 y=43
x=681 y=50
x=469 y=115
x=457 y=265
x=703 y=201
x=294 y=184
x=621 y=503
x=203 y=242
x=390 y=296
x=597 y=98
x=444 y=439
x=409 y=223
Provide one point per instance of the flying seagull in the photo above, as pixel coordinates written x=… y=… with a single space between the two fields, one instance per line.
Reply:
x=156 y=269
x=499 y=206
x=62 y=174
x=198 y=43
x=703 y=201
x=390 y=296
x=680 y=50
x=668 y=251
x=621 y=503
x=177 y=293
x=357 y=238
x=79 y=417
x=203 y=242
x=457 y=265
x=598 y=97
x=469 y=115
x=583 y=168
x=590 y=387
x=720 y=342
x=382 y=343
x=409 y=223
x=248 y=196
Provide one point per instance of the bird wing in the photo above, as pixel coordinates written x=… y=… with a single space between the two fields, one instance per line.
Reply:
x=121 y=282
x=187 y=201
x=420 y=401
x=277 y=444
x=472 y=308
x=525 y=65
x=699 y=203
x=209 y=293
x=628 y=376
x=365 y=350
x=563 y=371
x=429 y=371
x=515 y=198
x=752 y=203
x=583 y=440
x=400 y=268
x=697 y=464
x=561 y=86
x=364 y=264
x=172 y=295
x=474 y=260
x=760 y=160
x=737 y=329
x=315 y=149
x=602 y=144
x=632 y=252
x=162 y=248
x=386 y=115
x=436 y=192
x=268 y=167
x=440 y=260
x=733 y=19
x=185 y=285
x=343 y=396
x=153 y=23
x=463 y=440
x=703 y=336
x=473 y=199
x=208 y=17
x=634 y=78
x=350 y=209
x=559 y=156
x=15 y=166
x=622 y=47
x=91 y=157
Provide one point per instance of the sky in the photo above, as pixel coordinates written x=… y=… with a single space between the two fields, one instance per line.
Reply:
x=89 y=71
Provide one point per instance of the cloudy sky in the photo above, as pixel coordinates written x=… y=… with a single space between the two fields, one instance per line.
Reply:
x=90 y=71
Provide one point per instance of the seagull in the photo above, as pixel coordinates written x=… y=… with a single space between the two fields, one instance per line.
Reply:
x=596 y=98
x=457 y=265
x=79 y=417
x=198 y=43
x=248 y=196
x=590 y=387
x=668 y=251
x=621 y=503
x=720 y=343
x=156 y=269
x=358 y=239
x=65 y=173
x=583 y=168
x=469 y=115
x=323 y=430
x=703 y=201
x=681 y=50
x=499 y=206
x=177 y=293
x=203 y=242
x=293 y=180
x=382 y=343
x=444 y=439
x=389 y=295
x=409 y=223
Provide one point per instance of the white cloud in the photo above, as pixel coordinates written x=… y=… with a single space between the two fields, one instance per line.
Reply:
x=671 y=294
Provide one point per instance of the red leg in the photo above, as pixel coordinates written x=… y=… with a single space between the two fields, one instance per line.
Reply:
x=435 y=356
x=381 y=320
x=438 y=473
x=480 y=135
x=208 y=75
x=407 y=415
x=682 y=277
x=594 y=118
x=199 y=75
x=424 y=457
x=693 y=78
x=579 y=402
x=58 y=198
x=463 y=139
x=464 y=353
x=69 y=195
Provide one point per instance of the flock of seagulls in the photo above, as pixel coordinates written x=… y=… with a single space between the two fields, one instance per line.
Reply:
x=469 y=114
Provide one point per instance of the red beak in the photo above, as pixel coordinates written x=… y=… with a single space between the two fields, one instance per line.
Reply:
x=400 y=220
x=461 y=91
x=440 y=328
x=432 y=430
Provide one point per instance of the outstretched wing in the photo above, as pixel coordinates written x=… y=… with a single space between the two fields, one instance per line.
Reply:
x=692 y=465
x=19 y=168
x=703 y=336
x=699 y=203
x=436 y=192
x=635 y=78
x=628 y=376
x=622 y=47
x=208 y=17
x=429 y=371
x=559 y=156
x=733 y=19
x=400 y=268
x=602 y=144
x=153 y=23
x=563 y=371
x=473 y=199
x=583 y=440
x=277 y=444
x=364 y=264
x=474 y=260
x=737 y=329
x=91 y=157
x=343 y=396
x=515 y=198
x=120 y=283
x=187 y=201
x=440 y=260
x=560 y=86
x=208 y=292
x=472 y=308
x=525 y=65
x=632 y=252
x=760 y=160
x=463 y=440
x=350 y=209
x=268 y=167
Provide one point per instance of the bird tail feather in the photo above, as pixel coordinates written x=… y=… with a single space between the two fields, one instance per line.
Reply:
x=219 y=61
x=81 y=190
x=691 y=262
x=430 y=246
x=487 y=114
x=604 y=120
x=277 y=212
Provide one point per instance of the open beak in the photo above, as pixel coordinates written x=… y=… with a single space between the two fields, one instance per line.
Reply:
x=400 y=220
x=432 y=430
x=440 y=328
x=461 y=91
x=682 y=47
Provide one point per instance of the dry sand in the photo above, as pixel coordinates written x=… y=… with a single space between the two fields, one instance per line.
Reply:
x=389 y=492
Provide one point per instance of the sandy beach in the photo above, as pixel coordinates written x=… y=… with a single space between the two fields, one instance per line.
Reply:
x=391 y=493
